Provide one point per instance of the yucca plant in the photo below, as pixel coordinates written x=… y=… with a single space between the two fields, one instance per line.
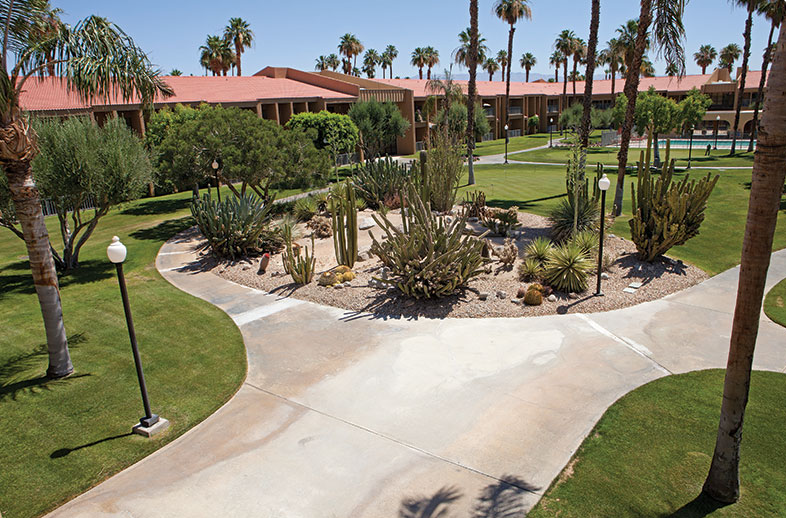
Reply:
x=530 y=270
x=305 y=208
x=587 y=217
x=427 y=257
x=567 y=268
x=378 y=180
x=586 y=240
x=233 y=227
x=538 y=249
x=321 y=199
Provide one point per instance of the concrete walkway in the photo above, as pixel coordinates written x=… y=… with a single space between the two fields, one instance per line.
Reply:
x=348 y=415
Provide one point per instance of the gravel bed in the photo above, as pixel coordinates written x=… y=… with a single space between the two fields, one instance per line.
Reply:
x=501 y=284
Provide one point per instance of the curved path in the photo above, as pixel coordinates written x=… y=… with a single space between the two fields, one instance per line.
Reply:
x=346 y=415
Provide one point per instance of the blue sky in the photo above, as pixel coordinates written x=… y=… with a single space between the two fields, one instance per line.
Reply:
x=295 y=33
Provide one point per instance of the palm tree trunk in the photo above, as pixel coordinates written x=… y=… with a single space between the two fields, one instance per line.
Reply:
x=631 y=91
x=746 y=52
x=503 y=71
x=760 y=95
x=471 y=93
x=556 y=73
x=526 y=72
x=27 y=204
x=613 y=77
x=420 y=71
x=507 y=79
x=591 y=47
x=238 y=51
x=703 y=69
x=575 y=64
x=769 y=169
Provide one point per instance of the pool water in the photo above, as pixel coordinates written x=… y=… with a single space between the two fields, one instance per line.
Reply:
x=702 y=143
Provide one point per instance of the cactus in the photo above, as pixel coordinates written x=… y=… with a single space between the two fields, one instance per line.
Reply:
x=533 y=298
x=299 y=266
x=474 y=203
x=666 y=214
x=343 y=212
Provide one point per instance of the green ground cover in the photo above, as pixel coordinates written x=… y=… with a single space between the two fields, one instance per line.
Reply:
x=496 y=147
x=775 y=303
x=59 y=438
x=650 y=453
x=608 y=156
x=538 y=189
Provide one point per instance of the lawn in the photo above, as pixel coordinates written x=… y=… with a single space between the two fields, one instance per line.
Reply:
x=651 y=451
x=59 y=438
x=775 y=303
x=538 y=189
x=608 y=156
x=497 y=147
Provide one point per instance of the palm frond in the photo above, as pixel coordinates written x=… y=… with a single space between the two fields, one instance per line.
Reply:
x=669 y=32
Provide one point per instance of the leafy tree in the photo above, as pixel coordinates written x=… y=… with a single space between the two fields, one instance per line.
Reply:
x=95 y=58
x=332 y=131
x=571 y=118
x=655 y=115
x=379 y=125
x=239 y=34
x=157 y=128
x=456 y=118
x=533 y=123
x=81 y=164
x=692 y=109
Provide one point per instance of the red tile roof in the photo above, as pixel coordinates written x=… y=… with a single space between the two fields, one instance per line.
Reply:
x=51 y=94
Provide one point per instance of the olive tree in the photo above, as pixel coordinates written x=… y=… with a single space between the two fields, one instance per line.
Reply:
x=331 y=131
x=379 y=125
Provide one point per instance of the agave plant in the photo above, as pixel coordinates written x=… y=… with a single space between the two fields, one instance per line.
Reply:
x=233 y=227
x=539 y=249
x=567 y=268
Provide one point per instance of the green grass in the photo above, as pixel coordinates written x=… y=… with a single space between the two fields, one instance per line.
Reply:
x=775 y=303
x=650 y=453
x=59 y=438
x=608 y=156
x=537 y=189
x=496 y=147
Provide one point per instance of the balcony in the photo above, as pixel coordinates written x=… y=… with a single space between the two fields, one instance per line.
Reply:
x=515 y=110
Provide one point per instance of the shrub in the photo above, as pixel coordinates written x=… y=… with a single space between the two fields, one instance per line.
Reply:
x=379 y=180
x=440 y=170
x=305 y=208
x=567 y=268
x=501 y=221
x=234 y=227
x=530 y=269
x=427 y=257
x=666 y=214
x=538 y=249
x=562 y=218
x=379 y=123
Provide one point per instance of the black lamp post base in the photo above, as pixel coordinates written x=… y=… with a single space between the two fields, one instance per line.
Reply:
x=147 y=422
x=157 y=427
x=600 y=294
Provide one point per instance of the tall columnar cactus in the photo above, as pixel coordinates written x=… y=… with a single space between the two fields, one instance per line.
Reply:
x=343 y=211
x=666 y=214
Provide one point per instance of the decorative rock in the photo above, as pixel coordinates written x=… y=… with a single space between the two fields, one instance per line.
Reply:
x=366 y=223
x=502 y=294
x=612 y=235
x=483 y=295
x=339 y=286
x=573 y=296
x=552 y=298
x=517 y=301
x=635 y=285
x=629 y=290
x=604 y=275
x=347 y=284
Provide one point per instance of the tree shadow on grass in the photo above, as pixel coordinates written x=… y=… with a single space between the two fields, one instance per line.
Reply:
x=522 y=204
x=11 y=386
x=165 y=230
x=699 y=507
x=157 y=206
x=22 y=283
x=62 y=452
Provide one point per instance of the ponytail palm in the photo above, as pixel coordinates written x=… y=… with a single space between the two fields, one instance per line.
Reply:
x=96 y=59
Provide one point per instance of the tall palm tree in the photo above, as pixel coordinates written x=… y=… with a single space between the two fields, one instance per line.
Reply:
x=94 y=58
x=385 y=62
x=461 y=53
x=750 y=6
x=527 y=61
x=510 y=12
x=728 y=55
x=370 y=61
x=473 y=58
x=723 y=480
x=391 y=52
x=332 y=62
x=419 y=59
x=321 y=63
x=239 y=33
x=626 y=36
x=491 y=67
x=613 y=56
x=217 y=54
x=668 y=33
x=502 y=59
x=432 y=60
x=46 y=24
x=775 y=11
x=349 y=46
x=705 y=56
x=592 y=45
x=176 y=72
x=579 y=53
x=564 y=44
x=648 y=69
x=556 y=60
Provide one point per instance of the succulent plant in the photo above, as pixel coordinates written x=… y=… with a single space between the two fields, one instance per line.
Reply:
x=567 y=268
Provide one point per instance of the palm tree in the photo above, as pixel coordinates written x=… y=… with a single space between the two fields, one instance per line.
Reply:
x=705 y=56
x=671 y=70
x=350 y=47
x=648 y=69
x=94 y=58
x=775 y=11
x=332 y=62
x=510 y=12
x=613 y=56
x=239 y=34
x=556 y=60
x=564 y=44
x=175 y=72
x=626 y=38
x=391 y=53
x=216 y=55
x=750 y=5
x=592 y=45
x=419 y=59
x=579 y=53
x=502 y=59
x=46 y=23
x=728 y=55
x=385 y=62
x=447 y=91
x=474 y=57
x=432 y=60
x=527 y=62
x=461 y=53
x=668 y=33
x=321 y=63
x=370 y=61
x=723 y=481
x=491 y=66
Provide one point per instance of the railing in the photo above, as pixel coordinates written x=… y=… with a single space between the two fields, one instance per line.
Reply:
x=514 y=133
x=487 y=136
x=420 y=146
x=515 y=110
x=489 y=112
x=49 y=209
x=347 y=158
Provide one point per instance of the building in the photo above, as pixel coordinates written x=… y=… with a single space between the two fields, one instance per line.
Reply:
x=277 y=93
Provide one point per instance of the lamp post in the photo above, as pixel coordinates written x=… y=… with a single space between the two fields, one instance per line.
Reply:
x=506 y=143
x=116 y=252
x=690 y=147
x=717 y=125
x=216 y=165
x=604 y=185
x=551 y=131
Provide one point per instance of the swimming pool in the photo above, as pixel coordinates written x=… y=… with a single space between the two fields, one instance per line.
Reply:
x=702 y=143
